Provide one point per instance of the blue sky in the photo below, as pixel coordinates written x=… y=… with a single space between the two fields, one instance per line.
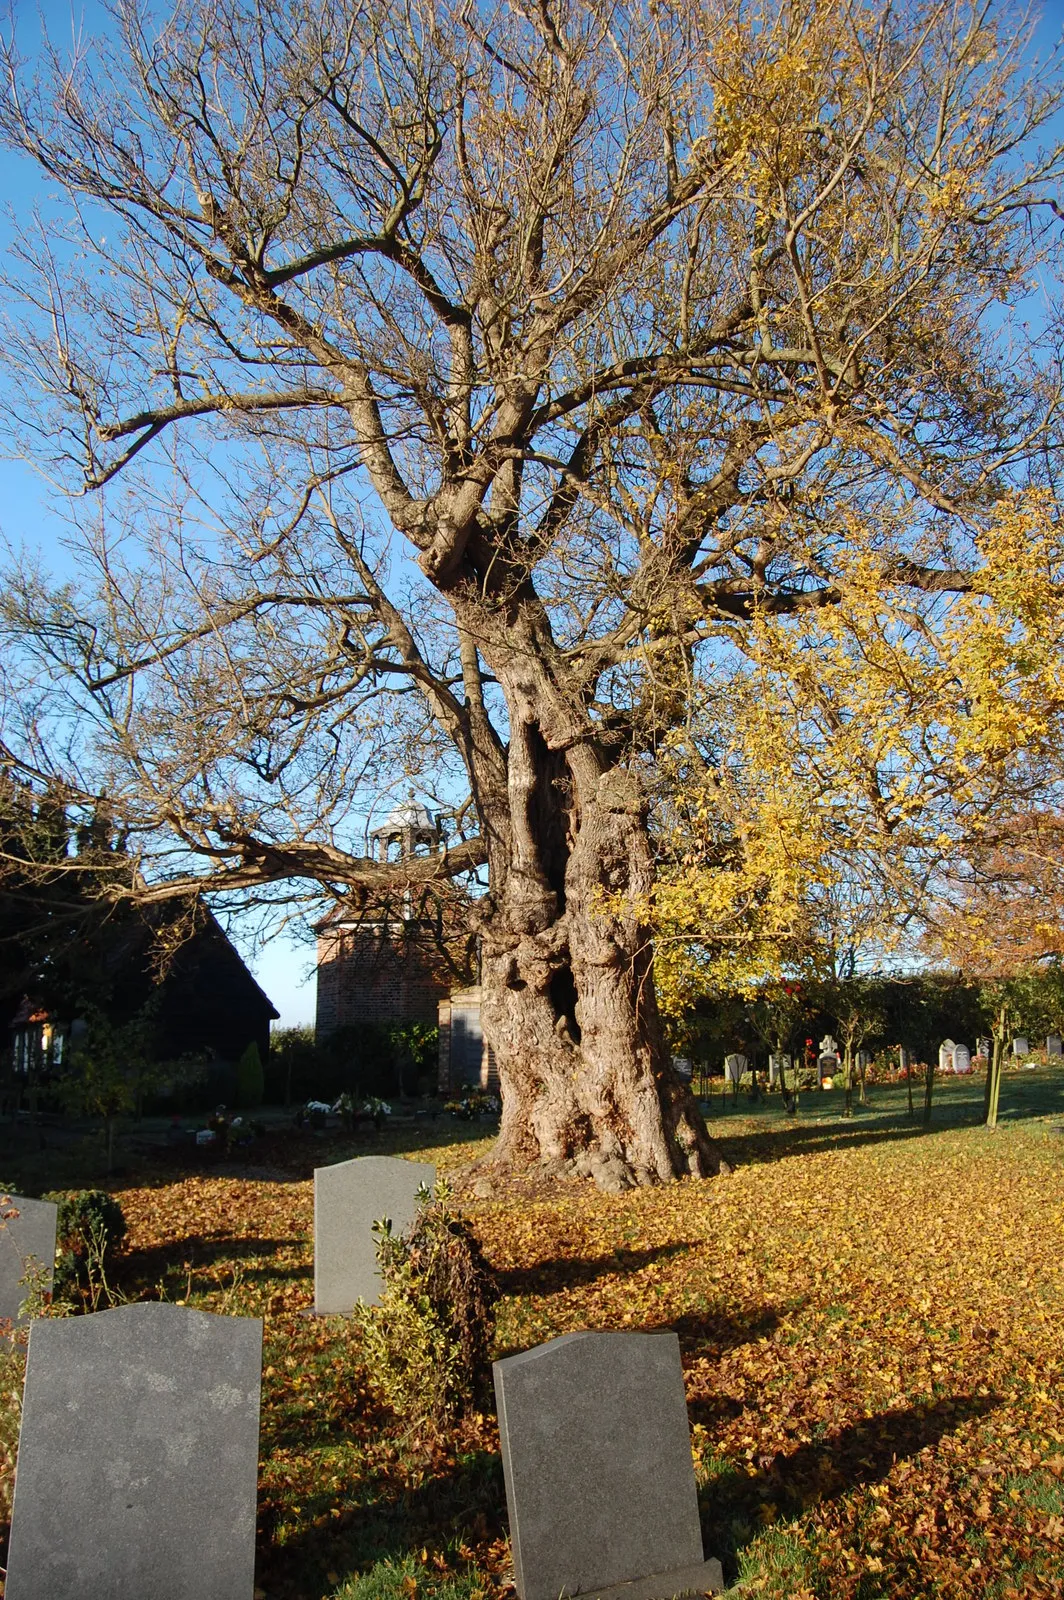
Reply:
x=283 y=966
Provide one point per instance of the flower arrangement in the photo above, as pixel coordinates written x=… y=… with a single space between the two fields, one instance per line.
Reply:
x=475 y=1104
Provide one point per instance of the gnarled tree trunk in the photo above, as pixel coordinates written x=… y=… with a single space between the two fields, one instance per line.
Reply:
x=568 y=1002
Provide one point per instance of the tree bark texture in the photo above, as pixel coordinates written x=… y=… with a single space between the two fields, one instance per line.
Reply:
x=568 y=1002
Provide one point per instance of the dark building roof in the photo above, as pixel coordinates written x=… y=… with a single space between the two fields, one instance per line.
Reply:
x=207 y=1000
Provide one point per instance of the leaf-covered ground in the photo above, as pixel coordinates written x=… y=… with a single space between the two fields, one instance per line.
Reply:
x=872 y=1324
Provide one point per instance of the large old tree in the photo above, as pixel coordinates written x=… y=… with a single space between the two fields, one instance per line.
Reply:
x=471 y=378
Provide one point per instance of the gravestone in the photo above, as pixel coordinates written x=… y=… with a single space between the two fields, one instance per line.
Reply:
x=778 y=1063
x=735 y=1066
x=945 y=1055
x=596 y=1456
x=348 y=1199
x=962 y=1058
x=984 y=1047
x=27 y=1239
x=1020 y=1047
x=1054 y=1045
x=138 y=1458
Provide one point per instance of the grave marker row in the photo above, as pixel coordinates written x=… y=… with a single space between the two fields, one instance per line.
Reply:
x=138 y=1460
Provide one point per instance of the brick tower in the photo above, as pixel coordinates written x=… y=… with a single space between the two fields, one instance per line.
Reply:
x=384 y=965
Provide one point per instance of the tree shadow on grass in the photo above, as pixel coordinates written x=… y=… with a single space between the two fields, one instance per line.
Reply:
x=144 y=1268
x=569 y=1272
x=884 y=1119
x=462 y=1503
x=845 y=1459
x=759 y=1149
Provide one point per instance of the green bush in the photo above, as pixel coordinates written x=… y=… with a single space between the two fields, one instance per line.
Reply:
x=90 y=1226
x=426 y=1341
x=250 y=1085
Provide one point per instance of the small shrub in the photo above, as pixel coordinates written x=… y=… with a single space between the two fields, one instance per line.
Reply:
x=250 y=1085
x=426 y=1342
x=89 y=1228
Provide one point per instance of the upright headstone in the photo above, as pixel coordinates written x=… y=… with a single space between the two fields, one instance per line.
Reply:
x=962 y=1058
x=596 y=1456
x=1020 y=1046
x=348 y=1199
x=828 y=1060
x=27 y=1242
x=138 y=1458
x=945 y=1055
x=778 y=1063
x=1054 y=1045
x=735 y=1066
x=984 y=1047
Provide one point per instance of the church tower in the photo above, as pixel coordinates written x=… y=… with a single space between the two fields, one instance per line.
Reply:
x=384 y=964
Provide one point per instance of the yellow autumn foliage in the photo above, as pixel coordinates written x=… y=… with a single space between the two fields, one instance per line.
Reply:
x=837 y=776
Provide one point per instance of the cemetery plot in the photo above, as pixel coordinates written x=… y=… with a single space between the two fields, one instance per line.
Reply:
x=876 y=1400
x=349 y=1198
x=138 y=1458
x=27 y=1245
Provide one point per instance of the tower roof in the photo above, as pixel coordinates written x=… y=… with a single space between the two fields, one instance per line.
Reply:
x=411 y=816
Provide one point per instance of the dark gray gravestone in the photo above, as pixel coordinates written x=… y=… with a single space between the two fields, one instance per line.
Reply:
x=1054 y=1045
x=348 y=1199
x=27 y=1240
x=596 y=1456
x=138 y=1458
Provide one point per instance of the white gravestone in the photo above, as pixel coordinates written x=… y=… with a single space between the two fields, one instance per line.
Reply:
x=600 y=1484
x=138 y=1458
x=27 y=1243
x=945 y=1055
x=348 y=1199
x=778 y=1063
x=734 y=1066
x=962 y=1058
x=1020 y=1047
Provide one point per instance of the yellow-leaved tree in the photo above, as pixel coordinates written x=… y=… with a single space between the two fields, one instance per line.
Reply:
x=875 y=778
